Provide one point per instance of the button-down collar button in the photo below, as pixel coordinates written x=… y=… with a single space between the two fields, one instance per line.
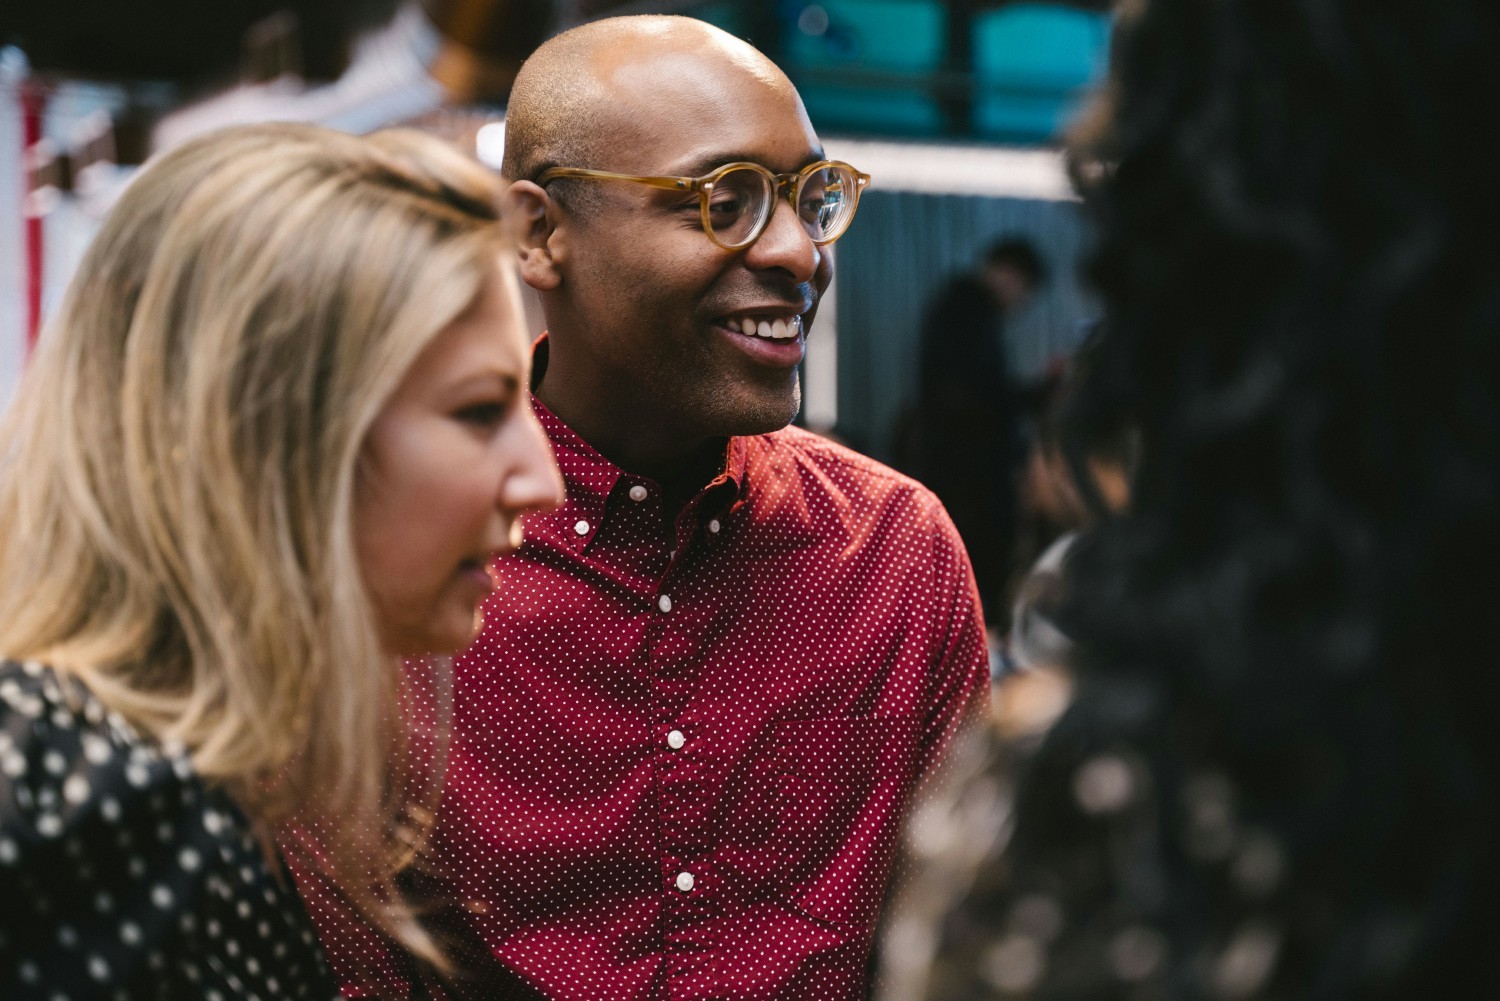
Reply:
x=685 y=881
x=714 y=526
x=638 y=493
x=582 y=528
x=664 y=603
x=675 y=740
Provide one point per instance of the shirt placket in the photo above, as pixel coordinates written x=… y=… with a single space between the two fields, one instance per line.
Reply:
x=681 y=758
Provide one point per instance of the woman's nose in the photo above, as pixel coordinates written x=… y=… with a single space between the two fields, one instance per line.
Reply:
x=534 y=483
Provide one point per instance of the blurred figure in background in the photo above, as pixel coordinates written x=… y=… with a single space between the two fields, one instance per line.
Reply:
x=964 y=439
x=943 y=915
x=1278 y=777
x=266 y=449
x=1078 y=472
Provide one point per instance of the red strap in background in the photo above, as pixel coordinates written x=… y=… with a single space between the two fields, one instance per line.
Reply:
x=33 y=102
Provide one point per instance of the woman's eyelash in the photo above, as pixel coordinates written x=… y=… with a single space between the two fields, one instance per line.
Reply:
x=482 y=413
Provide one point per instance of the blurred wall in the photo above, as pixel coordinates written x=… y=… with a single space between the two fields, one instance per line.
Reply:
x=902 y=248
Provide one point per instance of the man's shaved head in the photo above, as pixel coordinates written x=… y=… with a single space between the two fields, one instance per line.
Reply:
x=649 y=358
x=572 y=100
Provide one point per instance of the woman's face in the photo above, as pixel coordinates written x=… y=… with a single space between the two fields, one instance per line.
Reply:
x=451 y=463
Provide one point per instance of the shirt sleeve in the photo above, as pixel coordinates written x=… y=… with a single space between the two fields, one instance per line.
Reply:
x=960 y=663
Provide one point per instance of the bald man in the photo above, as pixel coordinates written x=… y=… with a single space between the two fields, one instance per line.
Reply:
x=707 y=684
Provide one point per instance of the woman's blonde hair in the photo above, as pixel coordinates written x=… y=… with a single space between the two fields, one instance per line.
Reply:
x=177 y=470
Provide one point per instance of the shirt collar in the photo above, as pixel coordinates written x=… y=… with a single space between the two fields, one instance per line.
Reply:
x=592 y=480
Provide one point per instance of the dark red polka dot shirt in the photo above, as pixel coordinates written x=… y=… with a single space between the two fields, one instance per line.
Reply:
x=682 y=754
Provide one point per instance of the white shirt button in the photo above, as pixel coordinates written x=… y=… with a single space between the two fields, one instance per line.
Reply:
x=714 y=526
x=685 y=881
x=664 y=603
x=582 y=528
x=638 y=493
x=675 y=740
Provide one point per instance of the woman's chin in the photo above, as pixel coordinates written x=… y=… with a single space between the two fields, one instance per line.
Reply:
x=437 y=638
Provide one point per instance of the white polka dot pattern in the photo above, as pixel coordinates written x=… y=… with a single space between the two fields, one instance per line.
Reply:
x=684 y=747
x=122 y=876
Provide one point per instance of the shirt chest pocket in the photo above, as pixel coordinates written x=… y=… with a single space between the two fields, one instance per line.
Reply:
x=819 y=827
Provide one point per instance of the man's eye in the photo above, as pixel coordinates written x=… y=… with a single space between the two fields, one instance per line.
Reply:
x=727 y=205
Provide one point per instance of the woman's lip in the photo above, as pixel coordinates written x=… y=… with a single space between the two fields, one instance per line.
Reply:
x=477 y=573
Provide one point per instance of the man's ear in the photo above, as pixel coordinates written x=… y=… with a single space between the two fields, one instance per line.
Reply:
x=535 y=222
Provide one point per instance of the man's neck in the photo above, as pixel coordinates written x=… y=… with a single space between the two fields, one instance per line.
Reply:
x=638 y=444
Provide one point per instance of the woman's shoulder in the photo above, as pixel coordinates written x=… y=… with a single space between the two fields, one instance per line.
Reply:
x=65 y=760
x=126 y=868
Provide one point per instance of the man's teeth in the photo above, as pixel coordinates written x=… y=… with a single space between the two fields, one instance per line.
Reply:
x=776 y=330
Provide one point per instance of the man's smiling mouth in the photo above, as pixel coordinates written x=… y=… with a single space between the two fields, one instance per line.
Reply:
x=771 y=328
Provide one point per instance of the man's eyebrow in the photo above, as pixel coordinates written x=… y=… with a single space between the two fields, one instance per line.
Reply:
x=706 y=164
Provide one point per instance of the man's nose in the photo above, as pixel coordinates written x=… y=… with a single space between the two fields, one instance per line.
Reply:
x=785 y=244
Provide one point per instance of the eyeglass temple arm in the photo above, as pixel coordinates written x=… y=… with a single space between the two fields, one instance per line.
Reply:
x=669 y=183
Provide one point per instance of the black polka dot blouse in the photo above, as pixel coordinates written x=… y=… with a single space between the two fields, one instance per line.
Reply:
x=123 y=876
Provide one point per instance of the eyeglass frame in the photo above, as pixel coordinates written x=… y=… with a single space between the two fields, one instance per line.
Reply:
x=703 y=187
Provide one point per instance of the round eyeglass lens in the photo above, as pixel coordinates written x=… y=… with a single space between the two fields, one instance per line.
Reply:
x=738 y=204
x=825 y=200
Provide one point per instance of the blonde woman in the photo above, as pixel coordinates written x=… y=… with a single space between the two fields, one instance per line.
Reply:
x=267 y=448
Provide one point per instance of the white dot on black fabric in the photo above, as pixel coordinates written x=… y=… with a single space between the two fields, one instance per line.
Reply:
x=96 y=749
x=76 y=789
x=13 y=765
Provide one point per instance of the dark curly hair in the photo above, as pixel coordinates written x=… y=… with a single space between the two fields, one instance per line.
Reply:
x=1299 y=259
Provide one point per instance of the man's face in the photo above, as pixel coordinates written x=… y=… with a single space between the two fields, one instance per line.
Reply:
x=659 y=310
x=1008 y=285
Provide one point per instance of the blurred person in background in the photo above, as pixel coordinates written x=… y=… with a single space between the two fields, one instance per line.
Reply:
x=963 y=439
x=1078 y=473
x=708 y=684
x=1278 y=776
x=266 y=448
